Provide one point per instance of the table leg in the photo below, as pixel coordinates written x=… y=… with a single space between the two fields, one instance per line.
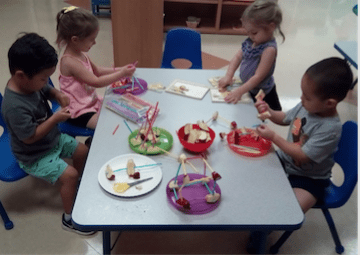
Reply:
x=262 y=242
x=106 y=242
x=257 y=242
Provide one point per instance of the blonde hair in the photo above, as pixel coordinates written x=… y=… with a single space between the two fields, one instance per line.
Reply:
x=264 y=12
x=76 y=22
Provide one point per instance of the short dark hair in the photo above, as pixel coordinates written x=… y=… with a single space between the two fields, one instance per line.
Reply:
x=333 y=78
x=31 y=54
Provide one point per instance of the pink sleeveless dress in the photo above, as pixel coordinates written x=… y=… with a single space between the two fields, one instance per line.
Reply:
x=83 y=98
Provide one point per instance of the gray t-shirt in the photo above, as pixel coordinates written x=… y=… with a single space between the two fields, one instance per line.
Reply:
x=22 y=114
x=318 y=138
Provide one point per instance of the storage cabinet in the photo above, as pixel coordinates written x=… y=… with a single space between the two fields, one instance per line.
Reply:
x=217 y=16
x=137 y=27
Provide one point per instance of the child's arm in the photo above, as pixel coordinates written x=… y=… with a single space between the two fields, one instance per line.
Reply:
x=292 y=149
x=275 y=116
x=44 y=128
x=100 y=71
x=62 y=99
x=79 y=72
x=266 y=62
x=233 y=66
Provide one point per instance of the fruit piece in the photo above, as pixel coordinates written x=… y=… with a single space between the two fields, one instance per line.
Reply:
x=183 y=202
x=136 y=175
x=233 y=125
x=216 y=176
x=187 y=129
x=130 y=167
x=202 y=136
x=203 y=126
x=212 y=198
x=222 y=135
x=109 y=173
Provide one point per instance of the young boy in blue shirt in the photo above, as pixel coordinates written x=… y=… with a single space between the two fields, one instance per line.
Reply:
x=36 y=142
x=315 y=129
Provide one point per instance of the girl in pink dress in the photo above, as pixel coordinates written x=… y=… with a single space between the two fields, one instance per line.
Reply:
x=77 y=29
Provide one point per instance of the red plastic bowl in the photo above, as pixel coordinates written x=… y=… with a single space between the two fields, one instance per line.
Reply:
x=195 y=147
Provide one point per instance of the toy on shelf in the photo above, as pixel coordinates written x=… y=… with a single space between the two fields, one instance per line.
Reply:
x=135 y=86
x=247 y=142
x=196 y=137
x=194 y=193
x=149 y=139
x=132 y=108
x=263 y=112
x=215 y=116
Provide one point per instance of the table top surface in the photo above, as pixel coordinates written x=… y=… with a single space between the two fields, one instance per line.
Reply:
x=255 y=191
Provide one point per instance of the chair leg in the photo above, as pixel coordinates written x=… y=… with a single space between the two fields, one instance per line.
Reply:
x=275 y=248
x=339 y=248
x=7 y=222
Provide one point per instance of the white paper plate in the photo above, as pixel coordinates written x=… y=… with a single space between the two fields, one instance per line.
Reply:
x=121 y=176
x=194 y=90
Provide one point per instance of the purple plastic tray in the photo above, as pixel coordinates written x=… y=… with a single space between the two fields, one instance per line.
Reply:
x=195 y=194
x=136 y=85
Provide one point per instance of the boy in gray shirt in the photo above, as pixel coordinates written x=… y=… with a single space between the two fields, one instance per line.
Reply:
x=315 y=129
x=36 y=142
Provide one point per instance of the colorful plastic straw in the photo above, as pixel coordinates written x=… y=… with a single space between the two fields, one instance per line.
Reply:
x=127 y=126
x=157 y=164
x=177 y=173
x=207 y=187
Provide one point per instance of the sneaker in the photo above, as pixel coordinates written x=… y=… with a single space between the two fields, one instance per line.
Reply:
x=67 y=225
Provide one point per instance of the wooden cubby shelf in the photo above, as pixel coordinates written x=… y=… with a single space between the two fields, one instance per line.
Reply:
x=217 y=16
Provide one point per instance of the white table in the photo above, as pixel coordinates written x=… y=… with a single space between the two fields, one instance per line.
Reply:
x=256 y=194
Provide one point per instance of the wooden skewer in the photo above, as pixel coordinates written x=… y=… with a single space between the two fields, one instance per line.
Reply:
x=193 y=167
x=170 y=154
x=211 y=170
x=227 y=121
x=183 y=166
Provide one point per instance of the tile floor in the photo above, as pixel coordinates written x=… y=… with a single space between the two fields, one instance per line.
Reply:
x=311 y=28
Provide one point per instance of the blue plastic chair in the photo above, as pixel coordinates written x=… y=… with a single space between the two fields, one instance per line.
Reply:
x=9 y=168
x=346 y=157
x=66 y=127
x=182 y=43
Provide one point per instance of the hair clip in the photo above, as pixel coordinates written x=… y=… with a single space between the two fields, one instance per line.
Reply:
x=69 y=9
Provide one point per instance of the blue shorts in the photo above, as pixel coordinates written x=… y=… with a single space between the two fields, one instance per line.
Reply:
x=315 y=187
x=51 y=165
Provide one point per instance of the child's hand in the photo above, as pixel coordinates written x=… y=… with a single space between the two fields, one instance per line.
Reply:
x=62 y=115
x=128 y=70
x=263 y=109
x=63 y=99
x=224 y=82
x=234 y=96
x=266 y=132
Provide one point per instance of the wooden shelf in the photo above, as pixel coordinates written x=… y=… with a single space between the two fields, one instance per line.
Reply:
x=217 y=16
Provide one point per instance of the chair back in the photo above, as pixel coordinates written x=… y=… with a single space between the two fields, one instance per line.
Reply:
x=9 y=168
x=182 y=43
x=346 y=157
